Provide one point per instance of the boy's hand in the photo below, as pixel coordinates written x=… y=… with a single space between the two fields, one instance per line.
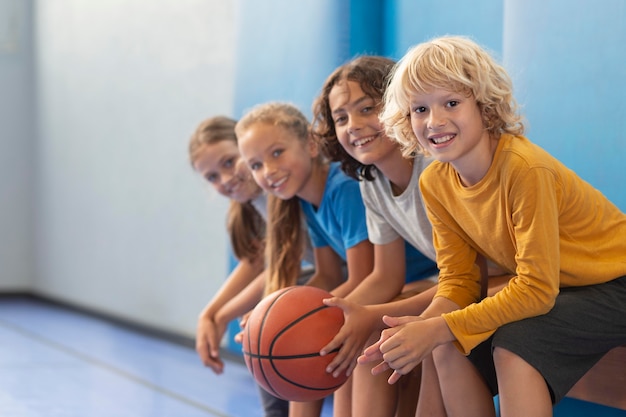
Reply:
x=404 y=345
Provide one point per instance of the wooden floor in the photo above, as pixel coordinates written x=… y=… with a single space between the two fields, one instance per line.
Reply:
x=57 y=362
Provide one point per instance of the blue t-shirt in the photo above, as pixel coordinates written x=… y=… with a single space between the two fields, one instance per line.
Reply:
x=418 y=265
x=339 y=221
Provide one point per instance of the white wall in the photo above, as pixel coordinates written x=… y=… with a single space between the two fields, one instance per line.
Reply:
x=17 y=138
x=124 y=227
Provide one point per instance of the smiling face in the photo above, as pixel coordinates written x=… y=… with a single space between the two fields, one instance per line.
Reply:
x=220 y=164
x=280 y=162
x=357 y=126
x=449 y=126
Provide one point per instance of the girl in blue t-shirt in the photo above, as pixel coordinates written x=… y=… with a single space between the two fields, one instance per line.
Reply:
x=276 y=142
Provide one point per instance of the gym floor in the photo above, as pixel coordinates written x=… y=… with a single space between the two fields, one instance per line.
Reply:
x=59 y=362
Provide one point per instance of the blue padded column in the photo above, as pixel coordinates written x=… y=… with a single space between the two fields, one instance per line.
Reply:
x=367 y=27
x=286 y=49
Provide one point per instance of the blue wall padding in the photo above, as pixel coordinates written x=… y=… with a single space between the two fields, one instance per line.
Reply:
x=568 y=60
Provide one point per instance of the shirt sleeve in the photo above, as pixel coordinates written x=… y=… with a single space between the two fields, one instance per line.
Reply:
x=350 y=213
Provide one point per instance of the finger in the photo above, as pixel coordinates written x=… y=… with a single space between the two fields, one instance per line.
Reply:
x=373 y=349
x=337 y=361
x=216 y=365
x=353 y=365
x=388 y=340
x=213 y=344
x=392 y=321
x=399 y=321
x=211 y=361
x=395 y=376
x=204 y=354
x=396 y=363
x=400 y=371
x=203 y=349
x=344 y=367
x=335 y=302
x=345 y=353
x=380 y=368
x=238 y=338
x=401 y=362
x=333 y=345
x=343 y=362
x=370 y=356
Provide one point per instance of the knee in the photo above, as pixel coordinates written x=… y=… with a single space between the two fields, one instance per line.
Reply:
x=503 y=357
x=443 y=351
x=441 y=355
x=509 y=363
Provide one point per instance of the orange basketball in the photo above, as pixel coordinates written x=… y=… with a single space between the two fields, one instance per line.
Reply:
x=282 y=340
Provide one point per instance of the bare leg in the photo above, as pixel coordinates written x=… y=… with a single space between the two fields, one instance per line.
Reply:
x=530 y=398
x=372 y=396
x=306 y=409
x=342 y=401
x=408 y=392
x=464 y=391
x=430 y=402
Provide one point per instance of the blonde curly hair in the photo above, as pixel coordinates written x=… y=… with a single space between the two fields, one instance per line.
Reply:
x=453 y=63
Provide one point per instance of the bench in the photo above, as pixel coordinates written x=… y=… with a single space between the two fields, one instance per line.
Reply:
x=605 y=383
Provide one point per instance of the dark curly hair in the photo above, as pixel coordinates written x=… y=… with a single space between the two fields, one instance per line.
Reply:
x=372 y=73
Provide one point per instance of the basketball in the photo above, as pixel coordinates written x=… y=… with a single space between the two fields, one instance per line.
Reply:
x=282 y=340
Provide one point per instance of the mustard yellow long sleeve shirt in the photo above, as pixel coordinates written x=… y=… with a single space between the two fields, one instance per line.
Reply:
x=533 y=217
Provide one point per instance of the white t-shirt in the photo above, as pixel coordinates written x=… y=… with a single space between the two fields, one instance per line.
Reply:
x=390 y=217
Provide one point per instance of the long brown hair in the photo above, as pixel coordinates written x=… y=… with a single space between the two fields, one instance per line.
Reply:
x=244 y=224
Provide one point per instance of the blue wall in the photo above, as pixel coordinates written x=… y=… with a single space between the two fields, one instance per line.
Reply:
x=285 y=49
x=412 y=21
x=567 y=59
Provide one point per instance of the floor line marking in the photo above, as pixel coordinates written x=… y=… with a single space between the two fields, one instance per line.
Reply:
x=104 y=365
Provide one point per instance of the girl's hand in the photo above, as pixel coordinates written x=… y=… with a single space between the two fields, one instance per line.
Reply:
x=208 y=337
x=242 y=323
x=359 y=324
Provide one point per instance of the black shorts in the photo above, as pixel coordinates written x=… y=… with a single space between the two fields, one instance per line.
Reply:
x=584 y=324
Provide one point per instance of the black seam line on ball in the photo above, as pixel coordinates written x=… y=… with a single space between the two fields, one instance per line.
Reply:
x=272 y=357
